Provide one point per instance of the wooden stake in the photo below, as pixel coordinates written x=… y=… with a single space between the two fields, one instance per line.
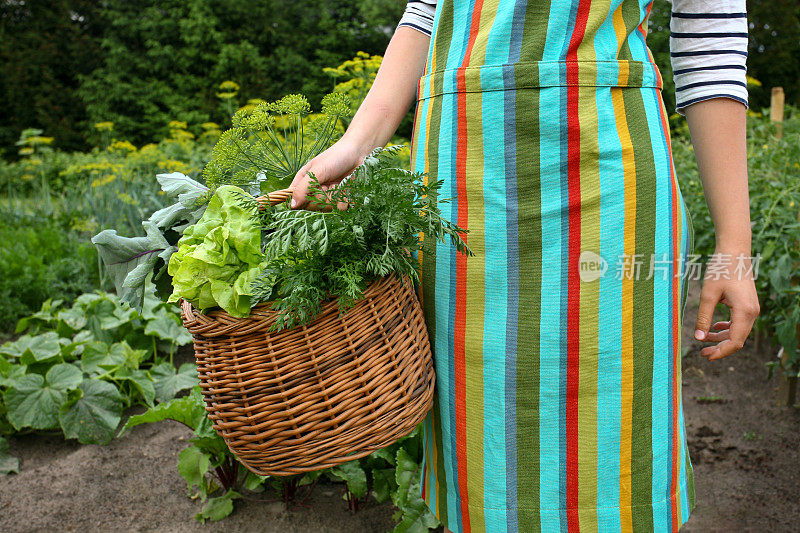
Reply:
x=776 y=110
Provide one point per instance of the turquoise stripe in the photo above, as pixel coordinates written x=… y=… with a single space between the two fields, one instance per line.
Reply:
x=444 y=324
x=605 y=42
x=436 y=20
x=551 y=348
x=684 y=496
x=609 y=379
x=496 y=287
x=421 y=129
x=638 y=45
x=662 y=314
x=495 y=315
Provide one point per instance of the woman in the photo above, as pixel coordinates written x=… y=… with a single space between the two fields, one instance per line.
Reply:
x=557 y=346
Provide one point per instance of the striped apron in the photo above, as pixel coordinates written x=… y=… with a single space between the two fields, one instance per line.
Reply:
x=557 y=346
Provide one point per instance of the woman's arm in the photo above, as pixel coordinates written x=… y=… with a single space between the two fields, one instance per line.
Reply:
x=708 y=50
x=386 y=103
x=717 y=128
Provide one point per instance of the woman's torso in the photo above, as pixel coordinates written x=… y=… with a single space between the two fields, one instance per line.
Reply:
x=590 y=42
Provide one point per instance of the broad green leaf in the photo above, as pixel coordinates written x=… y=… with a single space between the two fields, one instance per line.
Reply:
x=254 y=481
x=185 y=188
x=383 y=483
x=119 y=317
x=122 y=255
x=33 y=403
x=168 y=328
x=169 y=382
x=37 y=349
x=64 y=376
x=8 y=463
x=96 y=357
x=217 y=508
x=92 y=417
x=74 y=318
x=193 y=465
x=14 y=373
x=42 y=318
x=189 y=410
x=355 y=477
x=141 y=381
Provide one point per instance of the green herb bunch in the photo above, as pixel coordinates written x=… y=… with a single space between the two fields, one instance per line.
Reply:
x=311 y=256
x=270 y=142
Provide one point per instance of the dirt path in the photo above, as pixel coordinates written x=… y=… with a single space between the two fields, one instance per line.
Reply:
x=743 y=446
x=743 y=483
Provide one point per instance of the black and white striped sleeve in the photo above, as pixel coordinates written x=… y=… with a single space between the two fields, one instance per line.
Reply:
x=708 y=50
x=419 y=15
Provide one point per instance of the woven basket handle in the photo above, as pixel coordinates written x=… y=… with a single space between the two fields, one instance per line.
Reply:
x=274 y=198
x=188 y=315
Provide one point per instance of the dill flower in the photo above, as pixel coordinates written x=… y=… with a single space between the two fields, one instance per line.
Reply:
x=121 y=146
x=229 y=89
x=104 y=126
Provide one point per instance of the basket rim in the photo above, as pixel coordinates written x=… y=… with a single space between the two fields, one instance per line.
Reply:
x=265 y=315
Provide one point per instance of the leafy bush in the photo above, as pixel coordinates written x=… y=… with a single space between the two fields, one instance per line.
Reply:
x=76 y=369
x=774 y=184
x=39 y=260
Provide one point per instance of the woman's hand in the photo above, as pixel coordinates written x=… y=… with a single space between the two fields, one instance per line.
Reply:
x=728 y=280
x=329 y=167
x=387 y=102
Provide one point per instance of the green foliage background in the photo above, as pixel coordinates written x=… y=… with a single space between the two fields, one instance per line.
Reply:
x=65 y=64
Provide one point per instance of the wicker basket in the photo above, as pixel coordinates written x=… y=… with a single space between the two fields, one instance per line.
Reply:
x=315 y=396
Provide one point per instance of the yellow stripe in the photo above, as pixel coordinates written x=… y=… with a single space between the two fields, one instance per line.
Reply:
x=629 y=170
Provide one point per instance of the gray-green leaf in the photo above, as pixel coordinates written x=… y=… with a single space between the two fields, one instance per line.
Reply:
x=34 y=404
x=93 y=416
x=169 y=382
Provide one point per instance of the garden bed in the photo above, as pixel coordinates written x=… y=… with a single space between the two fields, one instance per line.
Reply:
x=743 y=448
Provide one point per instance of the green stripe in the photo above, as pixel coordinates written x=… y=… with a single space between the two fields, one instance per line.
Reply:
x=630 y=15
x=643 y=294
x=530 y=264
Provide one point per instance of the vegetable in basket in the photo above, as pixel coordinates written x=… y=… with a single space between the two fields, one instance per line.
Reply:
x=238 y=254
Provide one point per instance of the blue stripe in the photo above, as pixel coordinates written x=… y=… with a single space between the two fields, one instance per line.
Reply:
x=678 y=14
x=662 y=272
x=552 y=480
x=709 y=96
x=703 y=35
x=710 y=82
x=563 y=188
x=711 y=67
x=496 y=472
x=510 y=127
x=612 y=225
x=708 y=53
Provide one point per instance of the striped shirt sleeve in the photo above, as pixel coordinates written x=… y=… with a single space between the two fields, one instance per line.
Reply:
x=419 y=15
x=708 y=50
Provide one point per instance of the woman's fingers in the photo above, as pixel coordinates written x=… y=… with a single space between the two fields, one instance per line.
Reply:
x=742 y=319
x=710 y=295
x=299 y=187
x=730 y=335
x=722 y=331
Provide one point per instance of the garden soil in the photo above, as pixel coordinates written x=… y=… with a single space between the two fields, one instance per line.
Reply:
x=743 y=448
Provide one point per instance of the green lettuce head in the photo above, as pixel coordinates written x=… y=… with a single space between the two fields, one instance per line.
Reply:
x=219 y=257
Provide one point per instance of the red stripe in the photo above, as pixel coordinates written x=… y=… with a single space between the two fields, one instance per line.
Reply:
x=573 y=295
x=461 y=276
x=676 y=332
